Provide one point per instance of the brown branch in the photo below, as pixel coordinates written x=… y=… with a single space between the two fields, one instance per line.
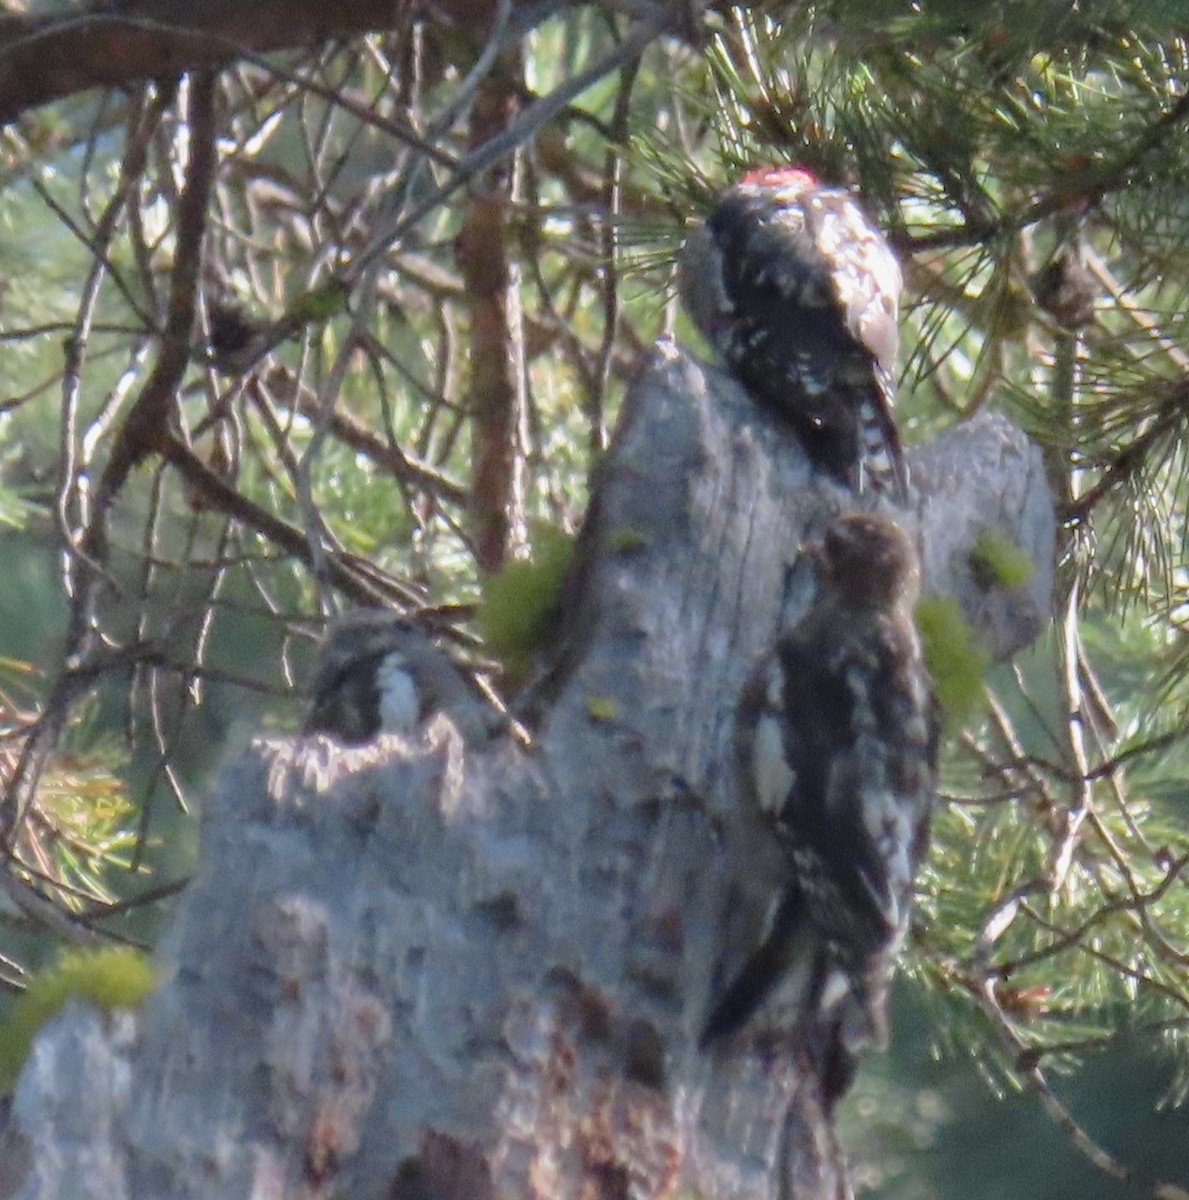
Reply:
x=146 y=423
x=221 y=496
x=351 y=431
x=46 y=58
x=496 y=337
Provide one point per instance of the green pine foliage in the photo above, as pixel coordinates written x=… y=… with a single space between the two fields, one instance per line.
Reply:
x=84 y=837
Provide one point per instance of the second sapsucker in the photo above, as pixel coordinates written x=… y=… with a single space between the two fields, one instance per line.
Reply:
x=836 y=747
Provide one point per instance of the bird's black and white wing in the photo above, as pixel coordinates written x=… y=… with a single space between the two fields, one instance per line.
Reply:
x=798 y=293
x=836 y=746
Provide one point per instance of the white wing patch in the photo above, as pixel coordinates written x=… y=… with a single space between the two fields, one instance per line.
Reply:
x=400 y=705
x=834 y=990
x=772 y=776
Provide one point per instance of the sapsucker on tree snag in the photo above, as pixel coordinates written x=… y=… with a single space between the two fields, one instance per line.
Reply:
x=798 y=293
x=378 y=673
x=836 y=748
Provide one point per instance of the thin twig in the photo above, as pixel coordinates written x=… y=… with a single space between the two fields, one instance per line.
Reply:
x=1037 y=1083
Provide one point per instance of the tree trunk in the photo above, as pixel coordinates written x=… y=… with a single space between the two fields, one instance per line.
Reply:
x=424 y=970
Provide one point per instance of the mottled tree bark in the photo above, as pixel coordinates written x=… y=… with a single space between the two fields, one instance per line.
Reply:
x=436 y=971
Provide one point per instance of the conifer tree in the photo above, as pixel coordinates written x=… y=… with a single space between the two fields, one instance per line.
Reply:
x=326 y=311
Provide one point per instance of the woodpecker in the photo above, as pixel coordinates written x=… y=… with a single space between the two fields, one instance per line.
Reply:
x=798 y=294
x=378 y=673
x=836 y=747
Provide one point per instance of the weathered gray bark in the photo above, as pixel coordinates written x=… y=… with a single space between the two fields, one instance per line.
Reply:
x=423 y=970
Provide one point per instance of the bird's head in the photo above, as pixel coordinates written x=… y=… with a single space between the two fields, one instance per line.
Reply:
x=364 y=634
x=868 y=561
x=378 y=672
